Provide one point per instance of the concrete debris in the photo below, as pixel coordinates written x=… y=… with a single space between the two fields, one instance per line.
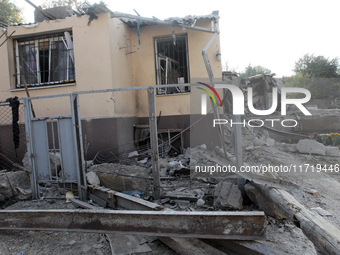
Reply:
x=332 y=151
x=259 y=142
x=127 y=244
x=133 y=154
x=228 y=196
x=314 y=192
x=92 y=179
x=311 y=147
x=200 y=202
x=270 y=142
x=264 y=204
x=122 y=177
x=15 y=184
x=321 y=211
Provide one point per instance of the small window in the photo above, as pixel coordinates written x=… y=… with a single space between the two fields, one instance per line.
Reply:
x=47 y=60
x=172 y=64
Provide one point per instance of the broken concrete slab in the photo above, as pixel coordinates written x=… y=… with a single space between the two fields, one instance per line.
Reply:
x=121 y=177
x=263 y=203
x=270 y=142
x=228 y=196
x=9 y=181
x=127 y=244
x=311 y=146
x=133 y=154
x=332 y=151
x=92 y=179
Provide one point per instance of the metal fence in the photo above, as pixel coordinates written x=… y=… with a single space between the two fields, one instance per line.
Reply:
x=12 y=135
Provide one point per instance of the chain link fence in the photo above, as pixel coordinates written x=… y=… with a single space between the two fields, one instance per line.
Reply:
x=12 y=135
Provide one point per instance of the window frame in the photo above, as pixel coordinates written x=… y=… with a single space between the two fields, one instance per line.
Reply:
x=160 y=57
x=35 y=40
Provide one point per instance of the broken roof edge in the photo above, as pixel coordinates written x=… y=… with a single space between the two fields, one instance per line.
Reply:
x=187 y=22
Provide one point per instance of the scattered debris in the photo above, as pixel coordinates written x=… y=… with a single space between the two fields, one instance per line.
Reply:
x=92 y=178
x=228 y=196
x=311 y=146
x=314 y=192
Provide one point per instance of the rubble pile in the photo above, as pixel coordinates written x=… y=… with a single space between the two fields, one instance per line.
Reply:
x=183 y=189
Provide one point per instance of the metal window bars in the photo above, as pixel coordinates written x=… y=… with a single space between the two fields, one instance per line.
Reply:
x=45 y=60
x=172 y=64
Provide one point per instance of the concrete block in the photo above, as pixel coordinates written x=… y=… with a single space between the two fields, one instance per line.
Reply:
x=228 y=196
x=310 y=146
x=332 y=151
x=93 y=179
x=270 y=142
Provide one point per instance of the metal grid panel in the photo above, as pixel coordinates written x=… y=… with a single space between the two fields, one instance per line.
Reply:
x=44 y=60
x=11 y=152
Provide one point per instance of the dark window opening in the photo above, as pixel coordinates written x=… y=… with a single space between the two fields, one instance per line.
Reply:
x=45 y=60
x=172 y=64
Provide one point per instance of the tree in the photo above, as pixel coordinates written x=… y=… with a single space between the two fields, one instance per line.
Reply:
x=9 y=13
x=317 y=66
x=318 y=74
x=254 y=70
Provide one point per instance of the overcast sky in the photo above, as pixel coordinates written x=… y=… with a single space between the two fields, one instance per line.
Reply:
x=273 y=34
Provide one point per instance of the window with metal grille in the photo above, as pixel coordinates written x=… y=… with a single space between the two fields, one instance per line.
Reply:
x=172 y=63
x=44 y=60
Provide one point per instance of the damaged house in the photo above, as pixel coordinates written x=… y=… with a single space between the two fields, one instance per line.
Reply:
x=97 y=49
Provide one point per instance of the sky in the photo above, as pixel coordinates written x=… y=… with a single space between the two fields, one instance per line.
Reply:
x=273 y=34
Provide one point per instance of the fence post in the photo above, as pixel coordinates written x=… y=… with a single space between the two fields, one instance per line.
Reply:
x=154 y=142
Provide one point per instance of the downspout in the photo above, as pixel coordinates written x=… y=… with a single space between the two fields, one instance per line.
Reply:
x=211 y=78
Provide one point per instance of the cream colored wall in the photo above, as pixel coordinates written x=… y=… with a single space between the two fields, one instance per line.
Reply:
x=121 y=68
x=101 y=63
x=95 y=66
x=144 y=66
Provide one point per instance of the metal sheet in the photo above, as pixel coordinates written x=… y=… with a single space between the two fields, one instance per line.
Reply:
x=40 y=150
x=220 y=225
x=67 y=149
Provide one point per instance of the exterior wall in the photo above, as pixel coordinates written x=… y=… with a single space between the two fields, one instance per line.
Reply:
x=98 y=65
x=143 y=66
x=102 y=62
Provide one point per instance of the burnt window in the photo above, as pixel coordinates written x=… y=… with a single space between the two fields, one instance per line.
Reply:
x=45 y=60
x=172 y=63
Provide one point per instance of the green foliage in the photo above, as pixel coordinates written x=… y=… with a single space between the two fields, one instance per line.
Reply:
x=317 y=66
x=254 y=70
x=9 y=13
x=318 y=87
x=317 y=74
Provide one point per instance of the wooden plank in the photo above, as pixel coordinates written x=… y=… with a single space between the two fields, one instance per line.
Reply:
x=154 y=142
x=83 y=204
x=117 y=199
x=180 y=195
x=216 y=225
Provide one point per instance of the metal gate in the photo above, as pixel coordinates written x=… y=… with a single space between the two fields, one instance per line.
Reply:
x=55 y=148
